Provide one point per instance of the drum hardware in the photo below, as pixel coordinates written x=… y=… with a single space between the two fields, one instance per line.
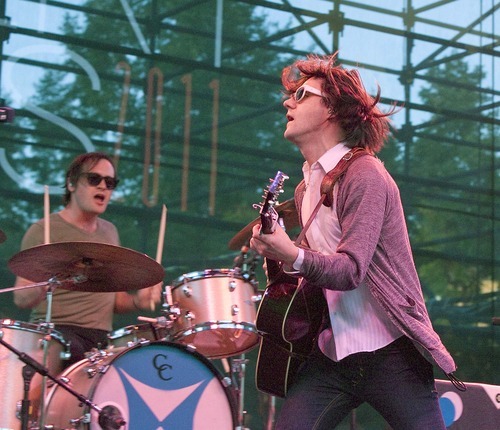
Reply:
x=232 y=286
x=245 y=263
x=187 y=290
x=109 y=420
x=162 y=326
x=238 y=367
x=271 y=412
x=257 y=298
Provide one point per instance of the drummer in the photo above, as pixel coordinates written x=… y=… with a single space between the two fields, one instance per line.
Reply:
x=83 y=318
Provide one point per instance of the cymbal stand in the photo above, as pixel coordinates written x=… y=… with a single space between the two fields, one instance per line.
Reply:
x=238 y=367
x=271 y=412
x=109 y=418
x=51 y=284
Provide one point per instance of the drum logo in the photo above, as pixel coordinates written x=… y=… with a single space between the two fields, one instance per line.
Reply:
x=161 y=365
x=162 y=386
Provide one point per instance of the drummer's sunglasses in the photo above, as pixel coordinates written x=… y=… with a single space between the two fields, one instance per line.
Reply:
x=94 y=179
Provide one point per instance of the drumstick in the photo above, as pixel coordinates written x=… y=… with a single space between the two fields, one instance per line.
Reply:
x=159 y=249
x=46 y=215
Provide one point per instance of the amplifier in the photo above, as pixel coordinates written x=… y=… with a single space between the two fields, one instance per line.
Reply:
x=478 y=408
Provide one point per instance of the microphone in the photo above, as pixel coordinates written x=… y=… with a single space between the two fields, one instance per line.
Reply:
x=110 y=418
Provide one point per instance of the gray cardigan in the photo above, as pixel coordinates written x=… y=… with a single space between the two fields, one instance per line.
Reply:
x=375 y=248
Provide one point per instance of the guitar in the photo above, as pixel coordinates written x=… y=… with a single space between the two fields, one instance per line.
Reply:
x=289 y=315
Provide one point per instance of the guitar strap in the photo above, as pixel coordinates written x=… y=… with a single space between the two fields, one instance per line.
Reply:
x=327 y=186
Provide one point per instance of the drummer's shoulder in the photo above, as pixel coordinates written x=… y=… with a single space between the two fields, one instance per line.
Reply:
x=106 y=227
x=33 y=235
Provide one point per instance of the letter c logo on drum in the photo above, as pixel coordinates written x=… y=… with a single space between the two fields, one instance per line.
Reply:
x=160 y=364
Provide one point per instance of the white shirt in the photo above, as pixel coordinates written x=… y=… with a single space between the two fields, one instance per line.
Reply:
x=358 y=323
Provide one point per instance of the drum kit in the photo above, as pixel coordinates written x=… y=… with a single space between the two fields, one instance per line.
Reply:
x=159 y=373
x=156 y=374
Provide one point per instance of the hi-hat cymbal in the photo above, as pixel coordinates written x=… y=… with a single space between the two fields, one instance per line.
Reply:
x=88 y=266
x=285 y=210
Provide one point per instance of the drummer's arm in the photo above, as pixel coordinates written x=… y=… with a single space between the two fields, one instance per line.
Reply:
x=27 y=298
x=140 y=301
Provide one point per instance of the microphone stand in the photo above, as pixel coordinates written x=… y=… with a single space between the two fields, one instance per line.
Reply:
x=28 y=373
x=109 y=418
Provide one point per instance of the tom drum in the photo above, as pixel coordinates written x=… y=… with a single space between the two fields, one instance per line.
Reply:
x=128 y=336
x=217 y=312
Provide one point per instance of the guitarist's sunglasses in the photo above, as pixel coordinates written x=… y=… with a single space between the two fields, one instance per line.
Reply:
x=94 y=179
x=301 y=92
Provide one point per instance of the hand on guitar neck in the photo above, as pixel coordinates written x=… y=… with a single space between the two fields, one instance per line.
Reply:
x=289 y=314
x=270 y=239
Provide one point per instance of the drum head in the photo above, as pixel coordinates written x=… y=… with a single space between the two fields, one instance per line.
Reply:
x=159 y=385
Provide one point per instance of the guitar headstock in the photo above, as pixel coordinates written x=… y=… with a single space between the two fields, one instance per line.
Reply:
x=268 y=215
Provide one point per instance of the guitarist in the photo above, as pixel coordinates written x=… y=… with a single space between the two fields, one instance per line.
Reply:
x=378 y=345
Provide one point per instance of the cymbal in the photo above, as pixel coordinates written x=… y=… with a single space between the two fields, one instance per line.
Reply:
x=88 y=266
x=285 y=210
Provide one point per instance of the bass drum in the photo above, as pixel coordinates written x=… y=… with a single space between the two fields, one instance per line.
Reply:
x=151 y=386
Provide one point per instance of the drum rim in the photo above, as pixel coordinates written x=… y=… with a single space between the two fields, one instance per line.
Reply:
x=32 y=328
x=129 y=330
x=202 y=327
x=207 y=273
x=228 y=323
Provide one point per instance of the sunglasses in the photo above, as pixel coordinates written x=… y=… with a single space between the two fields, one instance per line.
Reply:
x=94 y=179
x=301 y=92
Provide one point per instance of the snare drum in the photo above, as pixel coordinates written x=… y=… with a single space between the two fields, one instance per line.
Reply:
x=157 y=385
x=217 y=312
x=130 y=335
x=27 y=338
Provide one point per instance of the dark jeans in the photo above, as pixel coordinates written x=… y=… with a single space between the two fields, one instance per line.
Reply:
x=81 y=340
x=396 y=381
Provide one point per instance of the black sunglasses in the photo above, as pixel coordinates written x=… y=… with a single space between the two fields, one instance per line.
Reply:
x=94 y=179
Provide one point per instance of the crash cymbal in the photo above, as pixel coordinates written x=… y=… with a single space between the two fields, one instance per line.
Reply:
x=96 y=267
x=285 y=210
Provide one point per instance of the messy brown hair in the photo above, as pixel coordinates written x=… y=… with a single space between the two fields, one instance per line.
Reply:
x=346 y=98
